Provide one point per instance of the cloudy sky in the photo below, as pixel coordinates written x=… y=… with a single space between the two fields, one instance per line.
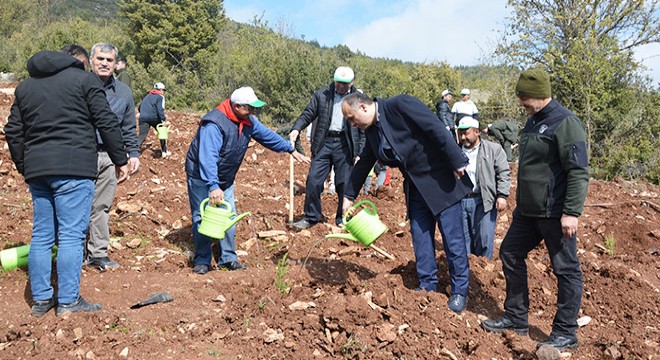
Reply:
x=458 y=32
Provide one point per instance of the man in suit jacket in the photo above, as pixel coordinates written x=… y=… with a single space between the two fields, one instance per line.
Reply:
x=403 y=132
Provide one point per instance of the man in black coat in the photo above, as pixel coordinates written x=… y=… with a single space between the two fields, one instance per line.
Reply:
x=334 y=144
x=443 y=111
x=52 y=140
x=403 y=132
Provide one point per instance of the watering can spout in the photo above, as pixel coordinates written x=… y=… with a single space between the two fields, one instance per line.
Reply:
x=233 y=221
x=342 y=236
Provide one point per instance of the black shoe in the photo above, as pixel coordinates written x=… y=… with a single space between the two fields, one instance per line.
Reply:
x=559 y=342
x=302 y=225
x=101 y=263
x=77 y=306
x=41 y=307
x=232 y=265
x=504 y=323
x=457 y=303
x=201 y=269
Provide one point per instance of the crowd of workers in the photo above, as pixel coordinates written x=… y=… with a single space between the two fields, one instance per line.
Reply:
x=72 y=134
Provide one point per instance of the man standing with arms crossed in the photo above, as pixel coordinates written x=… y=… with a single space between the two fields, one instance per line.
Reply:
x=553 y=177
x=120 y=98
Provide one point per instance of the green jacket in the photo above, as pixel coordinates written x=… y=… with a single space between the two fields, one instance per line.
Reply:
x=553 y=170
x=504 y=130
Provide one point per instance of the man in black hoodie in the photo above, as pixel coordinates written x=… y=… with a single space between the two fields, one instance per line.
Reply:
x=52 y=140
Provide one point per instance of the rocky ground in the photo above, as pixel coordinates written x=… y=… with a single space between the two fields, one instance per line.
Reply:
x=304 y=296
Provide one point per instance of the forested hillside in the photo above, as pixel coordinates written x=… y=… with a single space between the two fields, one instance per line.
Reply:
x=202 y=56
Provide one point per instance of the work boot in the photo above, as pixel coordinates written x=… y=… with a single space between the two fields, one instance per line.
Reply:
x=457 y=303
x=41 y=307
x=504 y=323
x=79 y=305
x=232 y=265
x=559 y=342
x=101 y=263
x=302 y=225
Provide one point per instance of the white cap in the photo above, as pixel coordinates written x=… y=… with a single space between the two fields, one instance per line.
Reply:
x=344 y=74
x=465 y=92
x=159 y=86
x=445 y=92
x=246 y=95
x=468 y=122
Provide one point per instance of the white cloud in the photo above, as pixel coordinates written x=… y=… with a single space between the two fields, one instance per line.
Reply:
x=428 y=30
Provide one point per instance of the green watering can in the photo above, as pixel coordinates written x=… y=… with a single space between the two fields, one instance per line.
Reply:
x=17 y=257
x=163 y=130
x=365 y=227
x=216 y=220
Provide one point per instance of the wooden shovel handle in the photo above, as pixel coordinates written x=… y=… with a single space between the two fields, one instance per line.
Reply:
x=291 y=188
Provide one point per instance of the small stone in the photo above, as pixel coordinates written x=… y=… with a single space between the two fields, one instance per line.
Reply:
x=612 y=353
x=583 y=321
x=272 y=335
x=59 y=334
x=386 y=333
x=220 y=298
x=301 y=305
x=133 y=244
x=548 y=353
x=77 y=332
x=124 y=352
x=90 y=355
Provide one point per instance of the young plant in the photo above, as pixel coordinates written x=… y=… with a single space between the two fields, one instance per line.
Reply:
x=610 y=244
x=281 y=283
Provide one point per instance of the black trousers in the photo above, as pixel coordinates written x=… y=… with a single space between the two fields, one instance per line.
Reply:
x=334 y=152
x=144 y=132
x=524 y=234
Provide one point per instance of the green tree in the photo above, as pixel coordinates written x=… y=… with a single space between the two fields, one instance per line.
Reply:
x=181 y=33
x=587 y=45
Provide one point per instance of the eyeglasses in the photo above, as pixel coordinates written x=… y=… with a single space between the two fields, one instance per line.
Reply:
x=250 y=107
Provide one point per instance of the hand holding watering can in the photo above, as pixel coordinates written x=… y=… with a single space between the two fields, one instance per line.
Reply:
x=217 y=219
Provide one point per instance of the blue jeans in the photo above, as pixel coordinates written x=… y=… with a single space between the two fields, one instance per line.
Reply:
x=197 y=192
x=525 y=233
x=61 y=210
x=422 y=228
x=478 y=227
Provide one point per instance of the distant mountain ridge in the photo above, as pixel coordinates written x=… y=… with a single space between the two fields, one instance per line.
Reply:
x=90 y=10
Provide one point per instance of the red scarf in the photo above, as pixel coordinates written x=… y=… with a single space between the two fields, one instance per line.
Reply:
x=156 y=91
x=225 y=108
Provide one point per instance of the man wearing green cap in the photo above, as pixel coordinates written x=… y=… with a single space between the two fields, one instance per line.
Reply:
x=213 y=159
x=553 y=177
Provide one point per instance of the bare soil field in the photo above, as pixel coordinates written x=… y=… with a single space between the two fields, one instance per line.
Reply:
x=304 y=296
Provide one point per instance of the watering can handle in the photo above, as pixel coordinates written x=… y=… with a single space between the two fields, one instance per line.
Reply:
x=202 y=206
x=360 y=203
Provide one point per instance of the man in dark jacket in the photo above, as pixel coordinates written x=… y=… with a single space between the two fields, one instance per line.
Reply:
x=120 y=98
x=213 y=159
x=152 y=114
x=443 y=111
x=553 y=177
x=506 y=133
x=121 y=72
x=403 y=132
x=334 y=144
x=51 y=137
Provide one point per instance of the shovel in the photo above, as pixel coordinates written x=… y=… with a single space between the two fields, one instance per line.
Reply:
x=154 y=299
